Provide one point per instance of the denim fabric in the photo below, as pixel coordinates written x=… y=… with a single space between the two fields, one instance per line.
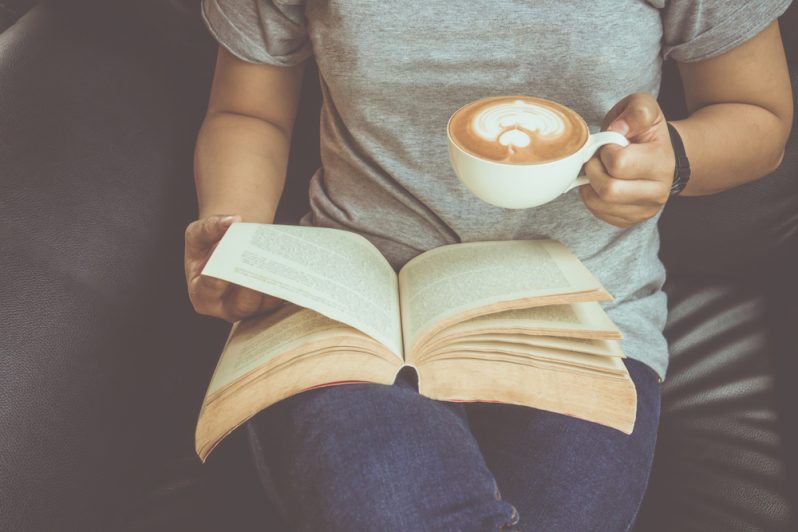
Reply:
x=371 y=457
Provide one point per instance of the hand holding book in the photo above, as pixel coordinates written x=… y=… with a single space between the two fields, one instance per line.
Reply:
x=211 y=296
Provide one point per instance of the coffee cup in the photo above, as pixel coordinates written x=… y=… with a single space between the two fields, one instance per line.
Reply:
x=518 y=152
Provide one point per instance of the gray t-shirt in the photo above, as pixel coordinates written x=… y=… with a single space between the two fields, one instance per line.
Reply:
x=393 y=72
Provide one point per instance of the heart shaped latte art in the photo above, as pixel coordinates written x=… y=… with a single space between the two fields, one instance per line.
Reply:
x=517 y=129
x=511 y=123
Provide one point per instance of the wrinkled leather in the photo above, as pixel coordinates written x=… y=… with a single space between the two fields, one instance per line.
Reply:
x=719 y=463
x=11 y=10
x=103 y=363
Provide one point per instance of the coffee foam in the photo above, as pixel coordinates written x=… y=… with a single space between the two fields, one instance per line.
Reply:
x=518 y=129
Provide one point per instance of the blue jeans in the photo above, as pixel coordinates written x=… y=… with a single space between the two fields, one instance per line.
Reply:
x=372 y=457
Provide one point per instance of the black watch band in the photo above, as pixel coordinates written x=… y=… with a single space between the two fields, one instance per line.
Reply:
x=681 y=174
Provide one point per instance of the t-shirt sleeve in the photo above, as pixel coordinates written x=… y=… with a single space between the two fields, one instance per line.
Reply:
x=694 y=30
x=260 y=31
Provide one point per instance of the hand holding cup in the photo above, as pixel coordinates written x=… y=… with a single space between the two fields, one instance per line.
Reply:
x=632 y=184
x=518 y=152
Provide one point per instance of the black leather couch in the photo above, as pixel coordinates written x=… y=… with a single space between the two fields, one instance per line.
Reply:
x=103 y=363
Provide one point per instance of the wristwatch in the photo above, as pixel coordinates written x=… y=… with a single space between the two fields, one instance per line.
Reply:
x=681 y=174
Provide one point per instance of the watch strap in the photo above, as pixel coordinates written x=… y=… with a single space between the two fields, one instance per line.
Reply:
x=681 y=174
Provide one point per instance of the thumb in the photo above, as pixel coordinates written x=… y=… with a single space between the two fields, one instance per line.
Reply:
x=639 y=112
x=203 y=233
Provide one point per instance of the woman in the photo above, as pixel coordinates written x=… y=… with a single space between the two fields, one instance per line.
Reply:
x=375 y=457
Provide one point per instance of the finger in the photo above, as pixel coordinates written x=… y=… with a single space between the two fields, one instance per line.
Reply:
x=616 y=214
x=242 y=302
x=635 y=116
x=621 y=223
x=212 y=287
x=598 y=209
x=624 y=212
x=623 y=191
x=203 y=233
x=636 y=161
x=207 y=293
x=614 y=113
x=270 y=304
x=195 y=264
x=199 y=243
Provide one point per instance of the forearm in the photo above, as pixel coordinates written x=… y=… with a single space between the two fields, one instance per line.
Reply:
x=729 y=144
x=239 y=166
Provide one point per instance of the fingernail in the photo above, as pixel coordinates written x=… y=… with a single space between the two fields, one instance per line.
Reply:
x=620 y=126
x=230 y=219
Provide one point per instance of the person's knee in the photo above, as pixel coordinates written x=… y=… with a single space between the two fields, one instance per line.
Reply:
x=373 y=501
x=367 y=430
x=370 y=457
x=410 y=473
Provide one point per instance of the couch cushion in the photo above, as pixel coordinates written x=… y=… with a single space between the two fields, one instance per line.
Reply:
x=11 y=10
x=174 y=27
x=103 y=362
x=720 y=461
x=222 y=494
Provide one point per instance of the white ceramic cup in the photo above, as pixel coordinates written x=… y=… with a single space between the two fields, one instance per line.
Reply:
x=520 y=186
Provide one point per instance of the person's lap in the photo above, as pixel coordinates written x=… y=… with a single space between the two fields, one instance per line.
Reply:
x=563 y=473
x=375 y=457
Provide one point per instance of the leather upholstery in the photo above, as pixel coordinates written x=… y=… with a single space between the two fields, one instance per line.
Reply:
x=103 y=363
x=99 y=381
x=719 y=461
x=11 y=10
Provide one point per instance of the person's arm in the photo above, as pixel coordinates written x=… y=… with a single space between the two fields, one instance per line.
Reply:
x=240 y=163
x=741 y=112
x=740 y=105
x=242 y=147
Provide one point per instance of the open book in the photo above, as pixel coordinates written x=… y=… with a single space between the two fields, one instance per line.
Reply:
x=514 y=322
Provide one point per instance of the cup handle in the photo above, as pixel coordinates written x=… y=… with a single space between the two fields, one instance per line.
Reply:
x=578 y=182
x=597 y=140
x=594 y=142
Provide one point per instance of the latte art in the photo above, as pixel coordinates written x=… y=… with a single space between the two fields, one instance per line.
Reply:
x=515 y=129
x=509 y=123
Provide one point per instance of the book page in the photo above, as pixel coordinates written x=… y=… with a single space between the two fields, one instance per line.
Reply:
x=455 y=279
x=256 y=341
x=336 y=273
x=519 y=354
x=575 y=320
x=604 y=398
x=262 y=387
x=608 y=348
